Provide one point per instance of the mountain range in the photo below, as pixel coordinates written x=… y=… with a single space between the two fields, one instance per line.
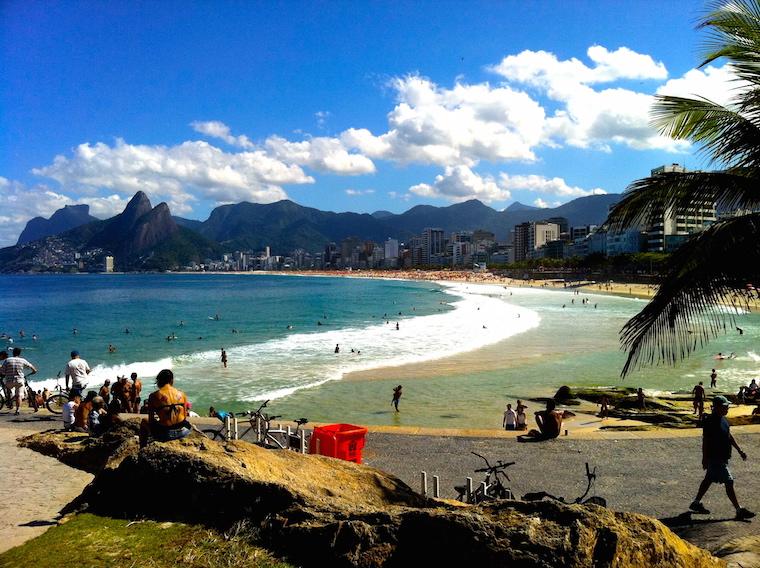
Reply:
x=146 y=237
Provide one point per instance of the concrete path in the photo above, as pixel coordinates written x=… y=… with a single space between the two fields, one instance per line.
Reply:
x=35 y=487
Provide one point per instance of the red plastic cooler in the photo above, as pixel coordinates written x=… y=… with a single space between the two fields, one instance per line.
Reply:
x=342 y=441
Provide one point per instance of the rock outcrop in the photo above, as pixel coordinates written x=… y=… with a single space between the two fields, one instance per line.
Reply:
x=318 y=511
x=69 y=217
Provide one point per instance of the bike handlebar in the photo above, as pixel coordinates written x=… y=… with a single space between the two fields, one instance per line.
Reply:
x=497 y=467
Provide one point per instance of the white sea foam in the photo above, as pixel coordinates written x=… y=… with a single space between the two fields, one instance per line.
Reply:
x=278 y=368
x=144 y=369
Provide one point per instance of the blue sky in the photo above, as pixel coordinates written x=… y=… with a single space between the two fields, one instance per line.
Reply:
x=338 y=105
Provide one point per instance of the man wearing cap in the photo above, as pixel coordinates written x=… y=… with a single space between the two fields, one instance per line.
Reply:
x=77 y=370
x=716 y=451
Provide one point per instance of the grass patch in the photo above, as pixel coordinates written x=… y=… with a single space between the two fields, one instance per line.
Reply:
x=89 y=540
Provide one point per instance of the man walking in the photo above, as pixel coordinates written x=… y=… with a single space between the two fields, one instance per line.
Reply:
x=699 y=399
x=713 y=379
x=510 y=418
x=13 y=371
x=77 y=370
x=716 y=451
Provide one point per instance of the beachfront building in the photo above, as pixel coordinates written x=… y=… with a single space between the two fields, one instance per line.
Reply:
x=432 y=243
x=624 y=242
x=108 y=264
x=670 y=229
x=391 y=249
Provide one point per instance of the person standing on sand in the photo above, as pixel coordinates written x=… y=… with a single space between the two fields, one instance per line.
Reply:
x=641 y=403
x=522 y=419
x=716 y=451
x=136 y=389
x=604 y=410
x=510 y=418
x=713 y=379
x=77 y=370
x=699 y=399
x=396 y=396
x=224 y=358
x=13 y=371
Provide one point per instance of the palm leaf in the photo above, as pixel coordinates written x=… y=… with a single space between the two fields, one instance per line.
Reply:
x=713 y=267
x=646 y=199
x=726 y=136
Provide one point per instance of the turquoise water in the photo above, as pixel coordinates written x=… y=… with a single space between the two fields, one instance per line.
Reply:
x=532 y=344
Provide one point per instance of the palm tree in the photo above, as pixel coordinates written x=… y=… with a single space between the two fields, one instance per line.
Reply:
x=719 y=265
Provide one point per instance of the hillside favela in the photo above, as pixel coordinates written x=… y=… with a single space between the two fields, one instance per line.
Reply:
x=380 y=284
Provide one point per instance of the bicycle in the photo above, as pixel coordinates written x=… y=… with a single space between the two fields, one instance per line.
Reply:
x=487 y=490
x=7 y=398
x=259 y=423
x=593 y=500
x=58 y=399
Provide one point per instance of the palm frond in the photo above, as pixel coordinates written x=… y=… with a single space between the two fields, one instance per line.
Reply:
x=726 y=136
x=646 y=199
x=733 y=32
x=713 y=267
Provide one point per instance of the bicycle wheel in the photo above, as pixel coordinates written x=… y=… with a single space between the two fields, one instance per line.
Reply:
x=55 y=403
x=213 y=434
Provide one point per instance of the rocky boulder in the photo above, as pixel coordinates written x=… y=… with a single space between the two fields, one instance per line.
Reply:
x=318 y=511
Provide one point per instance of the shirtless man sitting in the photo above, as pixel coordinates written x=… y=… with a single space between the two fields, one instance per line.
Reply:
x=549 y=423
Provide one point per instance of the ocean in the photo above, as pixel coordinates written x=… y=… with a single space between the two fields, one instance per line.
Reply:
x=461 y=350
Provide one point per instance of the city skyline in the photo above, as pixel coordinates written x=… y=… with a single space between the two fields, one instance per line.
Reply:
x=349 y=107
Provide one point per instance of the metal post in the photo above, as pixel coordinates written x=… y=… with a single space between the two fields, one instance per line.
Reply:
x=258 y=429
x=235 y=428
x=484 y=488
x=227 y=428
x=436 y=487
x=423 y=483
x=468 y=481
x=303 y=442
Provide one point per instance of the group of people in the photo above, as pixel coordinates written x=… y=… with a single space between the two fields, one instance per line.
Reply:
x=167 y=409
x=515 y=418
x=750 y=393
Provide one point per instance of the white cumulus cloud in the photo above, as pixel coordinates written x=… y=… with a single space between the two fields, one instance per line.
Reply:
x=588 y=116
x=549 y=186
x=178 y=174
x=357 y=192
x=462 y=125
x=460 y=183
x=217 y=129
x=322 y=154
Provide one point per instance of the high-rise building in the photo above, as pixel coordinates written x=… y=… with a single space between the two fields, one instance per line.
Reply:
x=521 y=241
x=108 y=264
x=540 y=233
x=432 y=244
x=391 y=248
x=670 y=228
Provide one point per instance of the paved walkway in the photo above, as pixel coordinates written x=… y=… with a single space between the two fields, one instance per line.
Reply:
x=35 y=487
x=654 y=476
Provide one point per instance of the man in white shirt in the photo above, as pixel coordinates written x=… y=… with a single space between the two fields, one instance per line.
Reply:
x=13 y=371
x=510 y=418
x=77 y=370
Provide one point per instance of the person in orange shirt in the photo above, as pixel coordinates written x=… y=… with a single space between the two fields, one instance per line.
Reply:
x=167 y=412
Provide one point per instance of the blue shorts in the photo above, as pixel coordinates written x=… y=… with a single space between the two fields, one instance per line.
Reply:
x=718 y=472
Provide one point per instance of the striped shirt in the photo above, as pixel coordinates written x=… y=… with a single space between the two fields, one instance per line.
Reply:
x=13 y=369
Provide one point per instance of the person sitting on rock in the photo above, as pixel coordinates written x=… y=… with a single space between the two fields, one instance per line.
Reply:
x=549 y=423
x=96 y=422
x=167 y=412
x=82 y=413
